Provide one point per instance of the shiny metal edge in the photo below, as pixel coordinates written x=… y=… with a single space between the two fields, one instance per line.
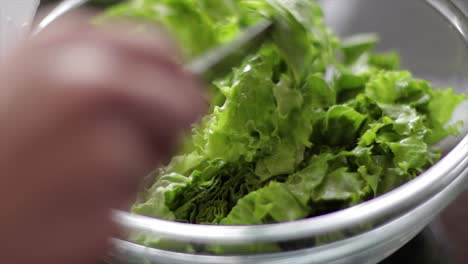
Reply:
x=453 y=14
x=252 y=36
x=61 y=9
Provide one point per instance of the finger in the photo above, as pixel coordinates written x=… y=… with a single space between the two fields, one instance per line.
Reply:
x=99 y=69
x=64 y=28
x=151 y=39
x=161 y=99
x=156 y=91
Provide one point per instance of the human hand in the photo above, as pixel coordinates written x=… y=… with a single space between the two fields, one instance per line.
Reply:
x=85 y=113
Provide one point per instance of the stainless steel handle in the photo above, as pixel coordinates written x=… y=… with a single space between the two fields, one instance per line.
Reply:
x=63 y=8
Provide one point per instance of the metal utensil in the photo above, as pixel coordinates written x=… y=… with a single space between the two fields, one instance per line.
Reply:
x=63 y=8
x=221 y=59
x=216 y=62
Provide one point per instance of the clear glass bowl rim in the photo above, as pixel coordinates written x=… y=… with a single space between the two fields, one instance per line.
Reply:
x=388 y=206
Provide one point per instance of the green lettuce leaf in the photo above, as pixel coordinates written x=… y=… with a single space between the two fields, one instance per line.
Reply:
x=355 y=46
x=306 y=125
x=273 y=203
x=439 y=112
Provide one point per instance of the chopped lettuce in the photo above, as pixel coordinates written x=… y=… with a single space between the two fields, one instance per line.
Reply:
x=304 y=126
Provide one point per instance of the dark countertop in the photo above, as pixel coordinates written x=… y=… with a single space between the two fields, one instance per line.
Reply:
x=445 y=241
x=426 y=248
x=454 y=224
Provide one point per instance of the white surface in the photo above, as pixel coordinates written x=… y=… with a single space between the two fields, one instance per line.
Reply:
x=16 y=17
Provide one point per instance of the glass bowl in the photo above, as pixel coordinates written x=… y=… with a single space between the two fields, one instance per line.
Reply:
x=432 y=37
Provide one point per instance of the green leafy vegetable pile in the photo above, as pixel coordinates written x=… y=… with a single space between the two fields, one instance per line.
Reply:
x=307 y=125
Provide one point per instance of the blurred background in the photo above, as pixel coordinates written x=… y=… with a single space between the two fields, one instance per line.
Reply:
x=97 y=3
x=449 y=232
